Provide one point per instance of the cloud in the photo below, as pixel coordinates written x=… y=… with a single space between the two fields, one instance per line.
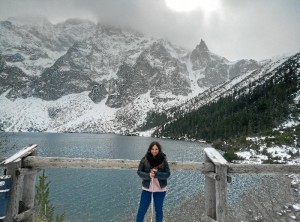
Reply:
x=238 y=29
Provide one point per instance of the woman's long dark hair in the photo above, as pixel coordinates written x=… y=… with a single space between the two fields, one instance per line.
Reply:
x=158 y=160
x=152 y=144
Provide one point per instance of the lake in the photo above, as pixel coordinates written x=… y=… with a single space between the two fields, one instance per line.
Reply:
x=111 y=195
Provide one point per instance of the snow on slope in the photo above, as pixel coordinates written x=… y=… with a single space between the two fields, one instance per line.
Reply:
x=238 y=82
x=78 y=113
x=193 y=76
x=68 y=113
x=22 y=115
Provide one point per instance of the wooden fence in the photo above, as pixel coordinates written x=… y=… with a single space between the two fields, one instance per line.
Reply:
x=26 y=164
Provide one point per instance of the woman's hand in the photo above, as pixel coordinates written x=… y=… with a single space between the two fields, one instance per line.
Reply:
x=152 y=173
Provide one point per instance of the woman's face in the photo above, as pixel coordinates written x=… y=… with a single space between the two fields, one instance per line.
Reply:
x=154 y=150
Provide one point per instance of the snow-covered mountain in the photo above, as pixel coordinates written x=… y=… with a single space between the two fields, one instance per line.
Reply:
x=83 y=77
x=33 y=44
x=243 y=82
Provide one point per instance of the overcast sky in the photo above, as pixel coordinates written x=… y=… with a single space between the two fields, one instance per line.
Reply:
x=234 y=29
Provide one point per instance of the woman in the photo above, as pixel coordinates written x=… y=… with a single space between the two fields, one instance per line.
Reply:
x=154 y=170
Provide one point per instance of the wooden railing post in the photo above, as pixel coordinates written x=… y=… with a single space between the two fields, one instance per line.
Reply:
x=216 y=187
x=210 y=195
x=15 y=192
x=221 y=192
x=29 y=189
x=23 y=186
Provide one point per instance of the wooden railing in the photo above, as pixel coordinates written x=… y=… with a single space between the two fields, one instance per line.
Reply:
x=215 y=168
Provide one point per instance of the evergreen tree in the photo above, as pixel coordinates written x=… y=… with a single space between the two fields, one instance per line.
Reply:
x=45 y=209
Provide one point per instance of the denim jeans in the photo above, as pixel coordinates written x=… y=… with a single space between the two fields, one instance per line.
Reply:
x=145 y=201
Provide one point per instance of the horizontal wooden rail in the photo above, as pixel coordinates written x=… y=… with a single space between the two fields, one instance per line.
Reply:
x=263 y=168
x=65 y=162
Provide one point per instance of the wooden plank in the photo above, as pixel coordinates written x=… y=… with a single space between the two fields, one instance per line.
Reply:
x=221 y=193
x=215 y=156
x=65 y=162
x=264 y=168
x=20 y=154
x=29 y=189
x=202 y=166
x=210 y=197
x=210 y=194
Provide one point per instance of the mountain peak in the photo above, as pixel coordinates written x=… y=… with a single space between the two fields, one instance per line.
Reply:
x=200 y=56
x=202 y=47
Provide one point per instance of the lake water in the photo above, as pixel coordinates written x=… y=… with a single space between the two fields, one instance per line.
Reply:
x=110 y=195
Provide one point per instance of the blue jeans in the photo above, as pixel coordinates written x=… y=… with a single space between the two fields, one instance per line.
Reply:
x=145 y=201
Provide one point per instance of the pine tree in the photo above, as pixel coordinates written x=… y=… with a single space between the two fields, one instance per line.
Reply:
x=45 y=209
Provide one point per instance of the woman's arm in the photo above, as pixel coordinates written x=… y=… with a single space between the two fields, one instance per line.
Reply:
x=163 y=175
x=141 y=171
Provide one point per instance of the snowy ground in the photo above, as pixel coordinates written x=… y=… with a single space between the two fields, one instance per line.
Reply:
x=282 y=154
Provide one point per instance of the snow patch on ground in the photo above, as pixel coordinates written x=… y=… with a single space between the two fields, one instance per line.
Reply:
x=283 y=154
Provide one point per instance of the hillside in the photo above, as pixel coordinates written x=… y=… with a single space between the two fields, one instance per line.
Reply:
x=255 y=109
